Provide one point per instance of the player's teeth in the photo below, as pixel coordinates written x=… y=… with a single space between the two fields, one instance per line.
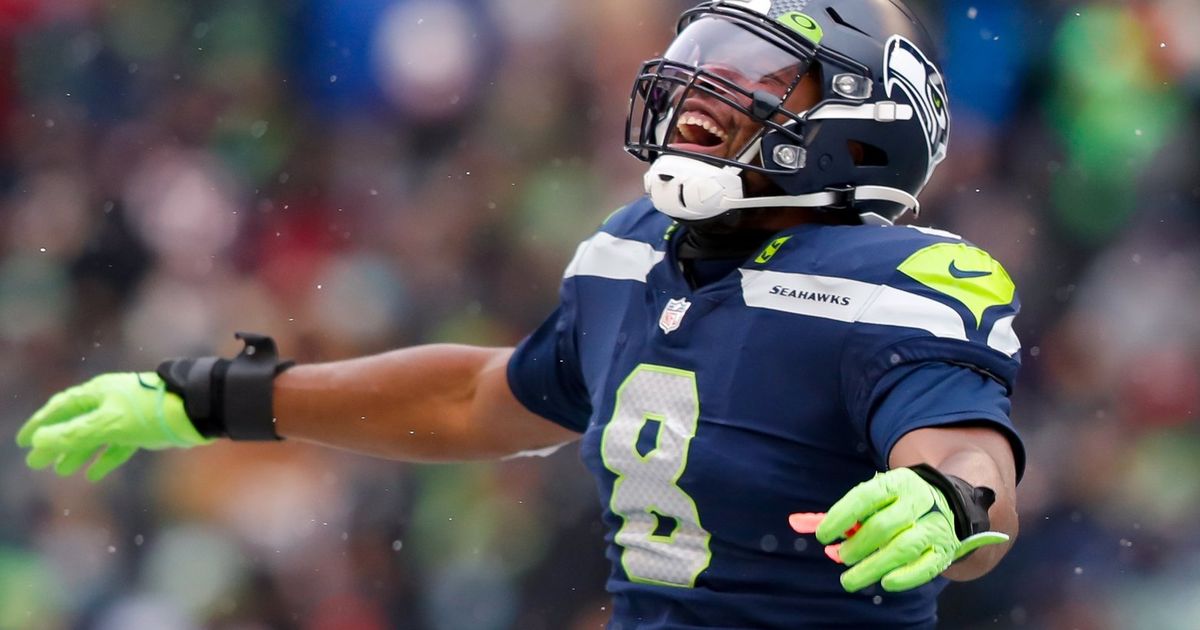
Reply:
x=703 y=124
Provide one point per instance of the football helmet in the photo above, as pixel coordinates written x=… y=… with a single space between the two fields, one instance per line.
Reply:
x=870 y=143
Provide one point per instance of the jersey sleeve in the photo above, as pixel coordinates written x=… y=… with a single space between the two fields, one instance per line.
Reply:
x=935 y=347
x=931 y=394
x=544 y=373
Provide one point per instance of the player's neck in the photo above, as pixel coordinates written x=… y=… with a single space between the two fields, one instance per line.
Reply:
x=776 y=219
x=735 y=236
x=711 y=242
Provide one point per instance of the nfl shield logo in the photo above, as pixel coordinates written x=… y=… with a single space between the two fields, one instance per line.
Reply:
x=673 y=314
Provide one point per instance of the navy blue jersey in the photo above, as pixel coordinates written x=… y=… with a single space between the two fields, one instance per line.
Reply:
x=710 y=415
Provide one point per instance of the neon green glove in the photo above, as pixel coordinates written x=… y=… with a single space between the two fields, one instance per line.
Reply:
x=113 y=413
x=905 y=532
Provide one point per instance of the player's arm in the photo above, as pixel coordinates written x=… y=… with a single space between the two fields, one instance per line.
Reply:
x=982 y=457
x=426 y=403
x=431 y=403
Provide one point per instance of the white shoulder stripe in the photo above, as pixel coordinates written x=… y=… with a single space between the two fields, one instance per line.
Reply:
x=819 y=296
x=848 y=300
x=1003 y=337
x=893 y=307
x=934 y=232
x=606 y=256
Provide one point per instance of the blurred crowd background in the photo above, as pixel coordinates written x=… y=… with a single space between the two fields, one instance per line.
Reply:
x=357 y=175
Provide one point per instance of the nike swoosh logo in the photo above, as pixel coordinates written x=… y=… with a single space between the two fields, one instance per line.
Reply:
x=959 y=273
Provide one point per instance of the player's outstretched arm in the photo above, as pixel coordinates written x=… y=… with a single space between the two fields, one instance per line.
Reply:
x=426 y=403
x=429 y=403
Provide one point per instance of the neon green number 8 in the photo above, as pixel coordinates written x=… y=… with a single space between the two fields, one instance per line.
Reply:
x=661 y=537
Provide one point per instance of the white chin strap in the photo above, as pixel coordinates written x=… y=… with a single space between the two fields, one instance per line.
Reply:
x=690 y=190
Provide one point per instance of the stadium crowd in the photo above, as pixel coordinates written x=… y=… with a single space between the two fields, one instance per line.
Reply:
x=354 y=176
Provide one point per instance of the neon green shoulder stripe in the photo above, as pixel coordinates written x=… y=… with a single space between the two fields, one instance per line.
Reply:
x=967 y=274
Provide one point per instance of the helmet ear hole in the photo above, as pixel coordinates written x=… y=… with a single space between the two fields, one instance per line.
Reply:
x=865 y=154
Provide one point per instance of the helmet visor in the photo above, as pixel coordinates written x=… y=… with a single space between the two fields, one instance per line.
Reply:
x=732 y=51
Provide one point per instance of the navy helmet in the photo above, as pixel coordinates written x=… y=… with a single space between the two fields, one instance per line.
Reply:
x=870 y=143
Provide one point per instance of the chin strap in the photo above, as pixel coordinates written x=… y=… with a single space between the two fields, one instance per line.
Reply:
x=690 y=190
x=830 y=198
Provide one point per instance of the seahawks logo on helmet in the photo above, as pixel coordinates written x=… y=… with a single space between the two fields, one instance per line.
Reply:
x=907 y=68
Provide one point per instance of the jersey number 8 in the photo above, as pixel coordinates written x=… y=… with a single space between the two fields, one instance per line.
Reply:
x=661 y=537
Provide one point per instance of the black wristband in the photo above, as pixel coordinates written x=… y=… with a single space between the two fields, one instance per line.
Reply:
x=229 y=397
x=968 y=503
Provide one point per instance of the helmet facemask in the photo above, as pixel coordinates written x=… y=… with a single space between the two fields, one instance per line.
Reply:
x=719 y=80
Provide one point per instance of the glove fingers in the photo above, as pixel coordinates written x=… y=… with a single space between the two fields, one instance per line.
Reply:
x=861 y=502
x=806 y=522
x=70 y=462
x=61 y=407
x=876 y=531
x=900 y=551
x=928 y=566
x=83 y=433
x=109 y=461
x=39 y=458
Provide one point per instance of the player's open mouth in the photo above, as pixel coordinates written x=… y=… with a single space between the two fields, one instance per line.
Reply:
x=699 y=130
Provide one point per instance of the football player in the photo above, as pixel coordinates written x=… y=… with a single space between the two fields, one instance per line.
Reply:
x=796 y=413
